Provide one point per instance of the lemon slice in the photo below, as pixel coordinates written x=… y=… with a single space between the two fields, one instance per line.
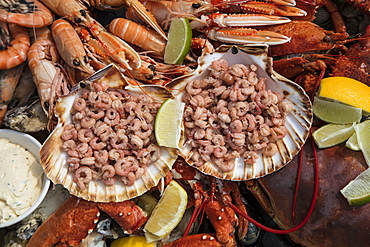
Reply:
x=352 y=143
x=363 y=139
x=168 y=122
x=179 y=40
x=332 y=134
x=346 y=90
x=357 y=192
x=336 y=112
x=135 y=241
x=168 y=212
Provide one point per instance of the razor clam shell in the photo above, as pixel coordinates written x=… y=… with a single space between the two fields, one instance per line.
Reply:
x=298 y=122
x=54 y=159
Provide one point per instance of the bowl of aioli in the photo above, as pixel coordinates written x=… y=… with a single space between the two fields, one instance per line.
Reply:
x=23 y=183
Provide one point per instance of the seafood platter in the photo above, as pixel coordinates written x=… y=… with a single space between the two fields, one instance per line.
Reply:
x=88 y=81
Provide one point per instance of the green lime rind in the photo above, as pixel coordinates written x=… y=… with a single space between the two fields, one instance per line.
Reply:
x=357 y=191
x=363 y=139
x=335 y=112
x=352 y=143
x=333 y=134
x=179 y=41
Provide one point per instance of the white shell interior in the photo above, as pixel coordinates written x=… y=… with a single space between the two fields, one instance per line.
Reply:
x=54 y=159
x=298 y=122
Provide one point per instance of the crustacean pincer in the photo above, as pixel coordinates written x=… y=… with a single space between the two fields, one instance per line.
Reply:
x=76 y=218
x=332 y=216
x=210 y=195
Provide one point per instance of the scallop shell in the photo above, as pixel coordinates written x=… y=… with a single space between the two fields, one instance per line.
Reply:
x=54 y=159
x=298 y=122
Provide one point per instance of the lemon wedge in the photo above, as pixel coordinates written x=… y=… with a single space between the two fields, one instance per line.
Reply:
x=168 y=212
x=135 y=241
x=347 y=90
x=168 y=122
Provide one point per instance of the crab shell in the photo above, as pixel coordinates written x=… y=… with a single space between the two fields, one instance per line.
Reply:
x=298 y=122
x=54 y=158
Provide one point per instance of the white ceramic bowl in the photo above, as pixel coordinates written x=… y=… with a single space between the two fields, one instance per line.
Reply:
x=33 y=146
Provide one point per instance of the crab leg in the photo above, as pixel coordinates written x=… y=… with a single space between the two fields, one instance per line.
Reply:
x=246 y=36
x=271 y=9
x=243 y=20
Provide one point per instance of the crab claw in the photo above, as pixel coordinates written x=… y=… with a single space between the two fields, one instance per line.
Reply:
x=246 y=36
x=145 y=15
x=243 y=20
x=271 y=9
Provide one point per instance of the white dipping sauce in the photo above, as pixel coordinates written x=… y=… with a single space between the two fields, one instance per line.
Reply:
x=20 y=180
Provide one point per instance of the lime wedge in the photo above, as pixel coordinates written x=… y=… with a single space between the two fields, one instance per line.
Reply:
x=135 y=241
x=363 y=139
x=168 y=122
x=147 y=202
x=168 y=212
x=357 y=192
x=352 y=143
x=336 y=112
x=332 y=134
x=179 y=40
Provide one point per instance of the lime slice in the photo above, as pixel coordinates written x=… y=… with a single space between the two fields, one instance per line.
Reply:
x=168 y=122
x=168 y=212
x=363 y=139
x=135 y=241
x=332 y=134
x=357 y=192
x=352 y=143
x=147 y=202
x=336 y=112
x=179 y=40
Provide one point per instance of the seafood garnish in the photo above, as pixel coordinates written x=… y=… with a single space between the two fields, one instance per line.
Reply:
x=79 y=155
x=277 y=114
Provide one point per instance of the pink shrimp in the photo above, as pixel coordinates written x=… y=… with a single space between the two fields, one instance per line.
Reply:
x=82 y=176
x=14 y=53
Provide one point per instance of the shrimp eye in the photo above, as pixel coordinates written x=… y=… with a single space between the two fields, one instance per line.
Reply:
x=151 y=67
x=149 y=76
x=76 y=62
x=196 y=5
x=234 y=50
x=83 y=12
x=78 y=20
x=82 y=85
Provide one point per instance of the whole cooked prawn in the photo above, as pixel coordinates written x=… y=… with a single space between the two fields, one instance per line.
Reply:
x=14 y=50
x=70 y=46
x=28 y=13
x=43 y=61
x=8 y=82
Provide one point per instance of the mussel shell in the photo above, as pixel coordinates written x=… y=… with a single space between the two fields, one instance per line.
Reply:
x=298 y=122
x=54 y=159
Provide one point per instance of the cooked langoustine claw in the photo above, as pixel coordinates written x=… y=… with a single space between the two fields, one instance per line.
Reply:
x=76 y=218
x=27 y=14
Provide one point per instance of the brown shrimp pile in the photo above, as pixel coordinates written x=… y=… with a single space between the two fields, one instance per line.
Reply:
x=231 y=114
x=111 y=136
